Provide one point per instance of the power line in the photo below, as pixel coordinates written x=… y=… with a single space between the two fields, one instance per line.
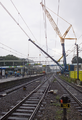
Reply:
x=23 y=19
x=8 y=50
x=25 y=23
x=12 y=49
x=14 y=20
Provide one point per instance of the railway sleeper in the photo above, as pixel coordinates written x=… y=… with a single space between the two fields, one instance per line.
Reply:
x=18 y=115
x=17 y=118
x=24 y=107
x=29 y=105
x=23 y=111
x=31 y=102
x=78 y=107
x=80 y=110
x=21 y=114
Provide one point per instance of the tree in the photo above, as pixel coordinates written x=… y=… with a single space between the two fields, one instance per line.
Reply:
x=23 y=61
x=11 y=57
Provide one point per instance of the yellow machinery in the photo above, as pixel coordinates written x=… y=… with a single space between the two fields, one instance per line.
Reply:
x=62 y=37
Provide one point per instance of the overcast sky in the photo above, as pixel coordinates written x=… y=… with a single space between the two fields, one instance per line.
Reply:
x=14 y=41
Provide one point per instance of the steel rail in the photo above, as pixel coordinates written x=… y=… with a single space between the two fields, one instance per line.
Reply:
x=18 y=87
x=34 y=113
x=14 y=108
x=4 y=117
x=8 y=91
x=69 y=92
x=72 y=86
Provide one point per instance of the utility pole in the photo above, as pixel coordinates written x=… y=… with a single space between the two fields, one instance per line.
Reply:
x=77 y=63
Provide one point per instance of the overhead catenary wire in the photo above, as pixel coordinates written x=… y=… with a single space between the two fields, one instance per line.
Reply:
x=9 y=51
x=13 y=49
x=14 y=19
x=23 y=20
x=26 y=26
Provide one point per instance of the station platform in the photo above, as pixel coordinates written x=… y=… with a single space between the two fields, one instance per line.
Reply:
x=3 y=79
x=13 y=78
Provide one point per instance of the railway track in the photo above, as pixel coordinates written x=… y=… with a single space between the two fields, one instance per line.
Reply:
x=28 y=107
x=74 y=92
x=8 y=91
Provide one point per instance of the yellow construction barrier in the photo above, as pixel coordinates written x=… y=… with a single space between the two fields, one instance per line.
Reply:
x=73 y=74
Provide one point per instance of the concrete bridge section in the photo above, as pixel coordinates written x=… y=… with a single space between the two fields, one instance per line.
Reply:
x=14 y=62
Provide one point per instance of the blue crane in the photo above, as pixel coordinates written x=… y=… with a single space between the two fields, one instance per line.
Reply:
x=61 y=68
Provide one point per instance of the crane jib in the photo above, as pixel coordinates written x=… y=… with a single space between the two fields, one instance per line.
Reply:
x=47 y=55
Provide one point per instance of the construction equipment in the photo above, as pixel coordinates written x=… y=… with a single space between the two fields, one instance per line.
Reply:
x=60 y=58
x=61 y=68
x=62 y=38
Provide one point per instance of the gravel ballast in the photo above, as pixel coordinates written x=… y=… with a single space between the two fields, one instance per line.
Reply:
x=52 y=109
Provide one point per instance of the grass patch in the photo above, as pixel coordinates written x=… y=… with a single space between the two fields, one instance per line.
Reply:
x=59 y=114
x=68 y=79
x=57 y=97
x=54 y=80
x=55 y=104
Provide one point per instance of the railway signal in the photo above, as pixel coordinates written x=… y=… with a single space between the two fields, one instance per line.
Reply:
x=65 y=103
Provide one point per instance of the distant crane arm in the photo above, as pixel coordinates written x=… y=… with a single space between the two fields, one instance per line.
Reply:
x=51 y=21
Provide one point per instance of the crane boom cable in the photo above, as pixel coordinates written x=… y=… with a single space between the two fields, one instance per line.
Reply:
x=54 y=25
x=64 y=20
x=74 y=33
x=58 y=15
x=52 y=21
x=62 y=38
